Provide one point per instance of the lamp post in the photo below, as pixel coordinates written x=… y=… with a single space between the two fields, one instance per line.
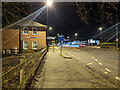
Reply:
x=50 y=28
x=76 y=34
x=117 y=40
x=100 y=28
x=48 y=3
x=68 y=37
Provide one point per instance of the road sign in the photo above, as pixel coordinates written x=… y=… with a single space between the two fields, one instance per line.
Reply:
x=61 y=38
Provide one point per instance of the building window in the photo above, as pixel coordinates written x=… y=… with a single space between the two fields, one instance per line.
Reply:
x=25 y=31
x=25 y=45
x=34 y=45
x=34 y=31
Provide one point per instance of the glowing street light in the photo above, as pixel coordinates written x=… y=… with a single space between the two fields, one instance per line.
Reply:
x=49 y=3
x=68 y=37
x=100 y=28
x=50 y=28
x=76 y=34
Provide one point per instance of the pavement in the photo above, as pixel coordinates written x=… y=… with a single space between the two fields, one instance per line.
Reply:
x=69 y=71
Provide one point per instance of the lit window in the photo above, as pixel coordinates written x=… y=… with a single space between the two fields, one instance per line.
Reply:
x=25 y=45
x=34 y=31
x=25 y=32
x=34 y=45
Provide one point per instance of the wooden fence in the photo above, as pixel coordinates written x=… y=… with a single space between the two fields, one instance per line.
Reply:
x=25 y=70
x=15 y=51
x=9 y=51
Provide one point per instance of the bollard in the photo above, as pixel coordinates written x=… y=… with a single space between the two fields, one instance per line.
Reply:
x=22 y=70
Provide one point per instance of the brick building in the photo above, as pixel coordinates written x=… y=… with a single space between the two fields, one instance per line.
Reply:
x=33 y=37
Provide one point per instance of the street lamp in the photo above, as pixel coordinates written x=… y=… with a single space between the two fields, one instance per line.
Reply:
x=50 y=28
x=100 y=28
x=57 y=34
x=48 y=3
x=68 y=37
x=76 y=34
x=117 y=40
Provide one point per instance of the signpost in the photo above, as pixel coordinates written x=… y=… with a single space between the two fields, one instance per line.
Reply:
x=53 y=42
x=61 y=39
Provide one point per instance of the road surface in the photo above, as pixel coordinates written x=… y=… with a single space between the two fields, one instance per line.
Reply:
x=101 y=59
x=79 y=68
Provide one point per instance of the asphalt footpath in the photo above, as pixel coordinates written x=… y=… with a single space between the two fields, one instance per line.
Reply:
x=64 y=71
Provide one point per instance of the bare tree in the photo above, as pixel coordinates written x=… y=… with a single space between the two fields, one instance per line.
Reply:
x=14 y=11
x=99 y=11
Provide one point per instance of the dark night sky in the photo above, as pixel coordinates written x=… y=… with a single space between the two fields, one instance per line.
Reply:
x=64 y=20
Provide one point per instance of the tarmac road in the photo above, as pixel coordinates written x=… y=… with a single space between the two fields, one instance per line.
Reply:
x=101 y=59
x=72 y=69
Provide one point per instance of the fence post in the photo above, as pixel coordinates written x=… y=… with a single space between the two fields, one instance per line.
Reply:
x=5 y=51
x=22 y=70
x=11 y=51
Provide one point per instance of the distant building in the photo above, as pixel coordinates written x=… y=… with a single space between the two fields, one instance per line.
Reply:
x=33 y=37
x=50 y=39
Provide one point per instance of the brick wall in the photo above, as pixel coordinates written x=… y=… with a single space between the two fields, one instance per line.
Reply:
x=10 y=38
x=40 y=38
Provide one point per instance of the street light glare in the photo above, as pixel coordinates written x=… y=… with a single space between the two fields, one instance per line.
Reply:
x=68 y=37
x=49 y=3
x=50 y=28
x=76 y=34
x=100 y=28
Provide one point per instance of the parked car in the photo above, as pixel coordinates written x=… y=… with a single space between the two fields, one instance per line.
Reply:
x=82 y=45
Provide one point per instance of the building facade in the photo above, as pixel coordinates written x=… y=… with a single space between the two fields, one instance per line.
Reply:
x=32 y=37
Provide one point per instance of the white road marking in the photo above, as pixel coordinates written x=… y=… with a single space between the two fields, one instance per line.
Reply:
x=100 y=63
x=67 y=53
x=93 y=57
x=96 y=60
x=107 y=69
x=90 y=63
x=118 y=78
x=72 y=55
x=68 y=59
x=106 y=72
x=75 y=56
